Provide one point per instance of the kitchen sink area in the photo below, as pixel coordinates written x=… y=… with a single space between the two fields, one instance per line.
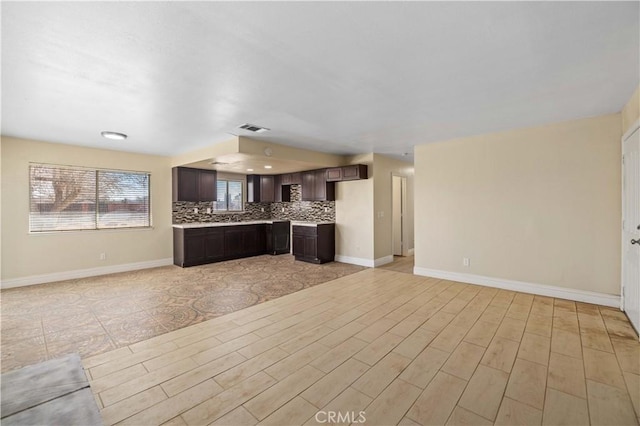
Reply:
x=272 y=214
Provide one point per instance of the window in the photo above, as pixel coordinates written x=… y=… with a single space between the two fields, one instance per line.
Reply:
x=73 y=198
x=229 y=195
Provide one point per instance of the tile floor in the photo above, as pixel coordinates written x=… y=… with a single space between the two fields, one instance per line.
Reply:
x=400 y=348
x=98 y=314
x=400 y=264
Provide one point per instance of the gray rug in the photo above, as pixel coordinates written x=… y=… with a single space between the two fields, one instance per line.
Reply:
x=54 y=392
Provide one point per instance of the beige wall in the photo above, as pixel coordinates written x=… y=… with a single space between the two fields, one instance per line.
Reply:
x=230 y=146
x=539 y=205
x=25 y=254
x=384 y=168
x=354 y=214
x=631 y=111
x=283 y=152
x=361 y=231
x=1 y=208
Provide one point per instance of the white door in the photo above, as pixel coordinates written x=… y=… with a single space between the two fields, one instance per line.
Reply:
x=631 y=227
x=396 y=193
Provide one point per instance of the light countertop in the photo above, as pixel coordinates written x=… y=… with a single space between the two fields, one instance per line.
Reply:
x=251 y=222
x=302 y=223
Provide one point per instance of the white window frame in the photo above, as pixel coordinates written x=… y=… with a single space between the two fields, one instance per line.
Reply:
x=228 y=198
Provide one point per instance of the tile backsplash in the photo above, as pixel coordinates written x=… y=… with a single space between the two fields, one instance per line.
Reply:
x=313 y=211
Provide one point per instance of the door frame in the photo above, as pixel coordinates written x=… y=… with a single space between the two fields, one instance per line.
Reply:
x=635 y=126
x=403 y=216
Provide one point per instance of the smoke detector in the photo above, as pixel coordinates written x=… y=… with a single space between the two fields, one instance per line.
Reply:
x=253 y=128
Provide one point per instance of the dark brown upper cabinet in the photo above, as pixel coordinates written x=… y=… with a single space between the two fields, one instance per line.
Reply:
x=316 y=188
x=260 y=189
x=267 y=189
x=282 y=193
x=253 y=188
x=193 y=184
x=292 y=179
x=353 y=172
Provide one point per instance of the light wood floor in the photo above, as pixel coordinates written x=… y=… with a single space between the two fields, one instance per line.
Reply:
x=400 y=264
x=402 y=348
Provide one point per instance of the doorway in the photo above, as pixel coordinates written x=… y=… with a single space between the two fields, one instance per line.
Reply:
x=631 y=225
x=399 y=208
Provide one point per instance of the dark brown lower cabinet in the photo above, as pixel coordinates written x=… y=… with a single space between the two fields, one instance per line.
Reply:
x=197 y=246
x=213 y=245
x=233 y=242
x=315 y=244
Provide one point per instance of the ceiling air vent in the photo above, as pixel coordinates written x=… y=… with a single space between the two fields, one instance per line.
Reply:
x=253 y=128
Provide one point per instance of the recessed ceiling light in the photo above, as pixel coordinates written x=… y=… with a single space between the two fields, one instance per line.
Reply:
x=249 y=170
x=113 y=135
x=267 y=167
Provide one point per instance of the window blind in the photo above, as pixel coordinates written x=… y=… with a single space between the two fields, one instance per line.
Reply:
x=229 y=195
x=74 y=198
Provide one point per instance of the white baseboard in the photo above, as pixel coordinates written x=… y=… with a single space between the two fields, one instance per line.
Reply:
x=383 y=260
x=355 y=260
x=524 y=287
x=83 y=273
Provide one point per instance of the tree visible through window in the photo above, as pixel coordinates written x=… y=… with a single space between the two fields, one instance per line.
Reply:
x=73 y=198
x=229 y=195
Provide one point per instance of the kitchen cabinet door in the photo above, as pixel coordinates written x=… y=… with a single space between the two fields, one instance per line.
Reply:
x=311 y=247
x=298 y=245
x=233 y=242
x=334 y=174
x=207 y=185
x=354 y=172
x=194 y=247
x=267 y=189
x=320 y=184
x=249 y=240
x=193 y=184
x=185 y=184
x=214 y=245
x=324 y=191
x=282 y=192
x=308 y=186
x=253 y=188
x=292 y=178
x=261 y=236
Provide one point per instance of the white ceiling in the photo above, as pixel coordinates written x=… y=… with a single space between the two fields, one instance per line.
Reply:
x=341 y=77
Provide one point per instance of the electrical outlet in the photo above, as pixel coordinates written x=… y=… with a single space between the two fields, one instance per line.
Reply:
x=466 y=262
x=283 y=210
x=208 y=210
x=262 y=209
x=195 y=210
x=103 y=256
x=326 y=209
